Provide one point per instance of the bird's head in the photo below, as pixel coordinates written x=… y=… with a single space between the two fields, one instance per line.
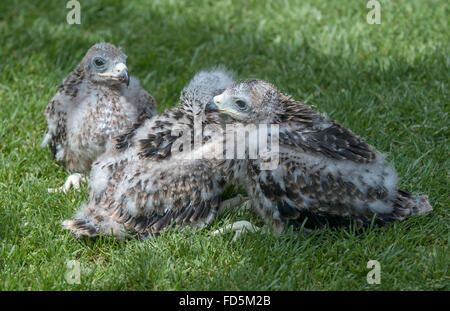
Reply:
x=104 y=63
x=202 y=88
x=248 y=101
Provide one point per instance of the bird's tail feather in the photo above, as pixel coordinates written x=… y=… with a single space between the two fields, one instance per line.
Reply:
x=81 y=227
x=83 y=223
x=407 y=204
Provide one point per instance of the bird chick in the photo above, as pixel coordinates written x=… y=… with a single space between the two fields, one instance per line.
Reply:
x=326 y=175
x=95 y=102
x=151 y=178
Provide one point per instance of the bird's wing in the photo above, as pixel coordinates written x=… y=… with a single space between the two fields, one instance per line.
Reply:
x=185 y=194
x=297 y=194
x=312 y=132
x=56 y=110
x=144 y=102
x=324 y=190
x=164 y=189
x=160 y=132
x=125 y=140
x=147 y=103
x=72 y=83
x=56 y=115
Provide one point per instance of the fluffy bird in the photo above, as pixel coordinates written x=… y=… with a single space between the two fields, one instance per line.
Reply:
x=96 y=102
x=326 y=174
x=149 y=179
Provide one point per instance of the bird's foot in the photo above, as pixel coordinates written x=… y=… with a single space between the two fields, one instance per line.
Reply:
x=81 y=227
x=238 y=203
x=238 y=227
x=73 y=181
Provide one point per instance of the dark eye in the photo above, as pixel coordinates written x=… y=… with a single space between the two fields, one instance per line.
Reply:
x=99 y=62
x=241 y=104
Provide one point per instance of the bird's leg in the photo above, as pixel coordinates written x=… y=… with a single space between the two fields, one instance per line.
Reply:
x=238 y=203
x=73 y=181
x=238 y=227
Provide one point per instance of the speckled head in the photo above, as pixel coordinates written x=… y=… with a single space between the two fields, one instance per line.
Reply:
x=203 y=87
x=248 y=101
x=105 y=63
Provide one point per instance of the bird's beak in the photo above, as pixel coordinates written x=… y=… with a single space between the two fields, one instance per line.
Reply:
x=124 y=77
x=120 y=72
x=218 y=104
x=211 y=107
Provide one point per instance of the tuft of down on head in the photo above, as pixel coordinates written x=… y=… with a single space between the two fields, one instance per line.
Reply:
x=203 y=87
x=105 y=63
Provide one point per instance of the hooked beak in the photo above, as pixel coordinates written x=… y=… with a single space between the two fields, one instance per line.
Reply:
x=124 y=77
x=211 y=106
x=217 y=105
x=120 y=72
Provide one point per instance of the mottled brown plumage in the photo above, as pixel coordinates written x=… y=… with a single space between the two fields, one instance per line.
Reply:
x=95 y=102
x=143 y=183
x=326 y=174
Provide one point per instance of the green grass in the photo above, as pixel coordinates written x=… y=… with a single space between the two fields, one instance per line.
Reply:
x=386 y=82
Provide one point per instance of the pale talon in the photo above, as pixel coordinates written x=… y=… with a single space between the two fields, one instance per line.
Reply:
x=238 y=227
x=237 y=235
x=67 y=224
x=73 y=181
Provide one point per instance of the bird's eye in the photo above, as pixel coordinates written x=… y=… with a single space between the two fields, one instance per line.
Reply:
x=99 y=62
x=241 y=104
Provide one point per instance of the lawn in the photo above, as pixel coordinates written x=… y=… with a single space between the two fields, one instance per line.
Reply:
x=388 y=82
